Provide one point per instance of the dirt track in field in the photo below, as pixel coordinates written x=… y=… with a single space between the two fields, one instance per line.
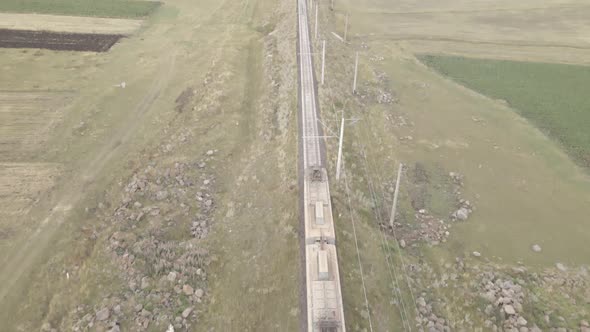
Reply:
x=57 y=41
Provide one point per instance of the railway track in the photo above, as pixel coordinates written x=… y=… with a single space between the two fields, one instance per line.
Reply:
x=324 y=309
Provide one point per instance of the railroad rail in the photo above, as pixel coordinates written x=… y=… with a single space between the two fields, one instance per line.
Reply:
x=322 y=277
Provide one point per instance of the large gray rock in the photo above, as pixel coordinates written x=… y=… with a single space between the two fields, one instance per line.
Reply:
x=187 y=312
x=145 y=282
x=103 y=314
x=188 y=290
x=490 y=296
x=536 y=248
x=199 y=292
x=420 y=302
x=161 y=195
x=461 y=214
x=508 y=309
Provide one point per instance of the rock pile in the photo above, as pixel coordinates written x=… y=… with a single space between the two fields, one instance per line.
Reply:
x=505 y=300
x=427 y=319
x=464 y=208
x=163 y=214
x=463 y=212
x=456 y=178
x=385 y=97
x=428 y=229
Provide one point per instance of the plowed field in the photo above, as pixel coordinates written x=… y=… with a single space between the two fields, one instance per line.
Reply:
x=57 y=41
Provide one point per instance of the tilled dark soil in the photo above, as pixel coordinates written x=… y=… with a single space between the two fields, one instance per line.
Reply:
x=57 y=41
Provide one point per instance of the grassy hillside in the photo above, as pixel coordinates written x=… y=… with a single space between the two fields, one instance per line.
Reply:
x=553 y=96
x=102 y=8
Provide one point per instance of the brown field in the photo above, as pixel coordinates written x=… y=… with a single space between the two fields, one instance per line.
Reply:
x=57 y=41
x=25 y=120
x=21 y=184
x=60 y=23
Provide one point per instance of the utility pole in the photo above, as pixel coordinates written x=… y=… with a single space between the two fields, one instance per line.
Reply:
x=345 y=27
x=316 y=20
x=339 y=162
x=394 y=206
x=356 y=64
x=332 y=5
x=323 y=59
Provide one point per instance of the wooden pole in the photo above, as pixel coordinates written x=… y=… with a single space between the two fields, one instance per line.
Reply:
x=339 y=162
x=356 y=64
x=394 y=206
x=345 y=27
x=323 y=59
x=316 y=20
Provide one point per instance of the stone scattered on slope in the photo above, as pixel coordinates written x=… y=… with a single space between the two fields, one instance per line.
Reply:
x=103 y=314
x=187 y=312
x=508 y=309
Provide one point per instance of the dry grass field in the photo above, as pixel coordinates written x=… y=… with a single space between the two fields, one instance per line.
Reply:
x=26 y=119
x=121 y=197
x=21 y=183
x=210 y=97
x=526 y=190
x=62 y=23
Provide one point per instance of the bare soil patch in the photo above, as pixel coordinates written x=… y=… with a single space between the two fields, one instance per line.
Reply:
x=57 y=41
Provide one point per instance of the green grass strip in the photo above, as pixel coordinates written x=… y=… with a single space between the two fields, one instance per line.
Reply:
x=554 y=97
x=98 y=8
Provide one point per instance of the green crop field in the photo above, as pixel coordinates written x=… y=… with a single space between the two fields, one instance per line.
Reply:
x=102 y=8
x=552 y=96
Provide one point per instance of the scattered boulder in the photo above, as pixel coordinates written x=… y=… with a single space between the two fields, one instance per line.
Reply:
x=508 y=309
x=457 y=178
x=536 y=248
x=161 y=195
x=187 y=312
x=461 y=214
x=199 y=293
x=171 y=276
x=464 y=210
x=476 y=254
x=561 y=267
x=187 y=290
x=103 y=314
x=145 y=282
